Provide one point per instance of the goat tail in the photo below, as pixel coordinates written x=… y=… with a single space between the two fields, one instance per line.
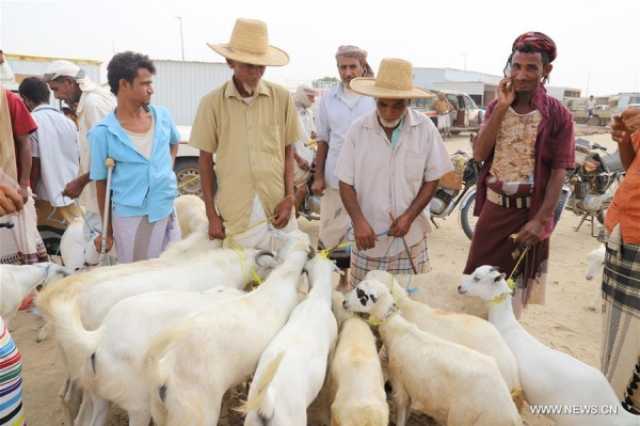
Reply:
x=264 y=402
x=518 y=398
x=79 y=344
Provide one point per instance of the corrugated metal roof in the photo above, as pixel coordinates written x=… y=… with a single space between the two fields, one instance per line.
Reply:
x=35 y=58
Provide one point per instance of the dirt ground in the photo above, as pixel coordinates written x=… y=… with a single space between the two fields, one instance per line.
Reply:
x=570 y=321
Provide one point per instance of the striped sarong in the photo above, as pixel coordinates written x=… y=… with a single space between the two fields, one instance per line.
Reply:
x=11 y=411
x=621 y=333
x=397 y=264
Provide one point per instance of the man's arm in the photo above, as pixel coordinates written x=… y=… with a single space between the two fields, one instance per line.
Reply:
x=24 y=157
x=532 y=230
x=319 y=183
x=401 y=225
x=207 y=179
x=365 y=235
x=627 y=154
x=174 y=152
x=283 y=209
x=486 y=140
x=35 y=172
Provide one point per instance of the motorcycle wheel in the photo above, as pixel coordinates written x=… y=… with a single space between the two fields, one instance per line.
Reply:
x=467 y=220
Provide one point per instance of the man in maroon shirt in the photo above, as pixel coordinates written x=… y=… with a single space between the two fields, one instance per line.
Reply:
x=526 y=145
x=21 y=244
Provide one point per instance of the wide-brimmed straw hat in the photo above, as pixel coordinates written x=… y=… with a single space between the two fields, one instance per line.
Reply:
x=394 y=81
x=250 y=44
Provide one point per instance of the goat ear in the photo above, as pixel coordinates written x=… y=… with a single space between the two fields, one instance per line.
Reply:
x=374 y=299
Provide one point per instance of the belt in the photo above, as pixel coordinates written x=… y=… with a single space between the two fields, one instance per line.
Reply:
x=508 y=202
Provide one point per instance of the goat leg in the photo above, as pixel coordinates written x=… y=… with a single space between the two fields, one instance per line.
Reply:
x=403 y=403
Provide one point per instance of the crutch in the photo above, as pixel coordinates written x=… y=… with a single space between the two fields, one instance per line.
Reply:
x=110 y=163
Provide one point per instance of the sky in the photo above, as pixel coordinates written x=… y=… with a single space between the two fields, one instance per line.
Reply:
x=597 y=40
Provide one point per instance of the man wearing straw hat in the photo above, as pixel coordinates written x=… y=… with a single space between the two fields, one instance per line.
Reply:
x=251 y=126
x=389 y=169
x=337 y=111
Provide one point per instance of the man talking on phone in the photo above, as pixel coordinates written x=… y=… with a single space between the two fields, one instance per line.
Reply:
x=526 y=145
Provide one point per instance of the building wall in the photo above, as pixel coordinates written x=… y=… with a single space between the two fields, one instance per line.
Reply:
x=180 y=85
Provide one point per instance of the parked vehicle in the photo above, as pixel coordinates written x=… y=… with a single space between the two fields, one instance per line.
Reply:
x=457 y=189
x=186 y=167
x=467 y=116
x=593 y=182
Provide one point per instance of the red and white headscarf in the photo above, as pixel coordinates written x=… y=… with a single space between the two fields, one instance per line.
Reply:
x=538 y=41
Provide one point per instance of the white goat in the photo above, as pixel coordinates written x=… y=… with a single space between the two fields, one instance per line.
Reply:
x=595 y=262
x=113 y=368
x=17 y=281
x=466 y=330
x=292 y=368
x=443 y=379
x=191 y=214
x=356 y=383
x=191 y=366
x=548 y=377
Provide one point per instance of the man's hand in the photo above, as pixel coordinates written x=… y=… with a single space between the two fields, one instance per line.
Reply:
x=23 y=190
x=283 y=212
x=506 y=93
x=98 y=243
x=531 y=233
x=10 y=201
x=319 y=185
x=400 y=226
x=364 y=234
x=216 y=228
x=631 y=119
x=302 y=163
x=74 y=188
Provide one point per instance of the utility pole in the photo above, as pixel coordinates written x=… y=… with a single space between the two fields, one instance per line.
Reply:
x=586 y=95
x=179 y=18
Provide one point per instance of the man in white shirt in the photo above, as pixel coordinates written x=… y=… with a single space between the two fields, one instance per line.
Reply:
x=303 y=98
x=337 y=110
x=56 y=157
x=389 y=169
x=92 y=103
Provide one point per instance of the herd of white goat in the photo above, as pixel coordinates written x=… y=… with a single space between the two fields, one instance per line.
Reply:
x=165 y=339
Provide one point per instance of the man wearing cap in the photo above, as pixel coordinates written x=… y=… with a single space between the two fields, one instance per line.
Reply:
x=250 y=125
x=527 y=144
x=91 y=104
x=143 y=141
x=337 y=110
x=389 y=168
x=304 y=97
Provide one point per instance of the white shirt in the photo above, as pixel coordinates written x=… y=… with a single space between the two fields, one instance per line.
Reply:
x=336 y=113
x=307 y=126
x=55 y=142
x=93 y=107
x=143 y=141
x=387 y=179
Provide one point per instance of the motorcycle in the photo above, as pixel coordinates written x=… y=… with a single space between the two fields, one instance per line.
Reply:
x=593 y=182
x=457 y=189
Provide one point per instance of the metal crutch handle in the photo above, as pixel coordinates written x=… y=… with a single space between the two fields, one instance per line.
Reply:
x=110 y=163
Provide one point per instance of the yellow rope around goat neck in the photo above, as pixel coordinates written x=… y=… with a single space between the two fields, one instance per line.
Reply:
x=510 y=282
x=255 y=278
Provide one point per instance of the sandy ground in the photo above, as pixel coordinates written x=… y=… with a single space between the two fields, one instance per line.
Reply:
x=569 y=321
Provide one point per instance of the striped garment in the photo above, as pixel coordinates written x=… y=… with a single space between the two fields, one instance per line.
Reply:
x=11 y=412
x=398 y=264
x=621 y=336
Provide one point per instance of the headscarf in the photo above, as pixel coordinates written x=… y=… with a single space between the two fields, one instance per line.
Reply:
x=300 y=97
x=538 y=41
x=358 y=53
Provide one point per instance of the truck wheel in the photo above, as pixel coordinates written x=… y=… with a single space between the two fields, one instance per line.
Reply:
x=188 y=175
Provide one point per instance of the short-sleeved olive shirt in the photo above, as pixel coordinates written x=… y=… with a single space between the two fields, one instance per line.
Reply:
x=248 y=141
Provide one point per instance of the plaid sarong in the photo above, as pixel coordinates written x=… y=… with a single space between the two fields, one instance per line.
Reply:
x=621 y=333
x=398 y=264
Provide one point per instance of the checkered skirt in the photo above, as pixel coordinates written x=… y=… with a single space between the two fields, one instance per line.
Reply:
x=398 y=264
x=621 y=334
